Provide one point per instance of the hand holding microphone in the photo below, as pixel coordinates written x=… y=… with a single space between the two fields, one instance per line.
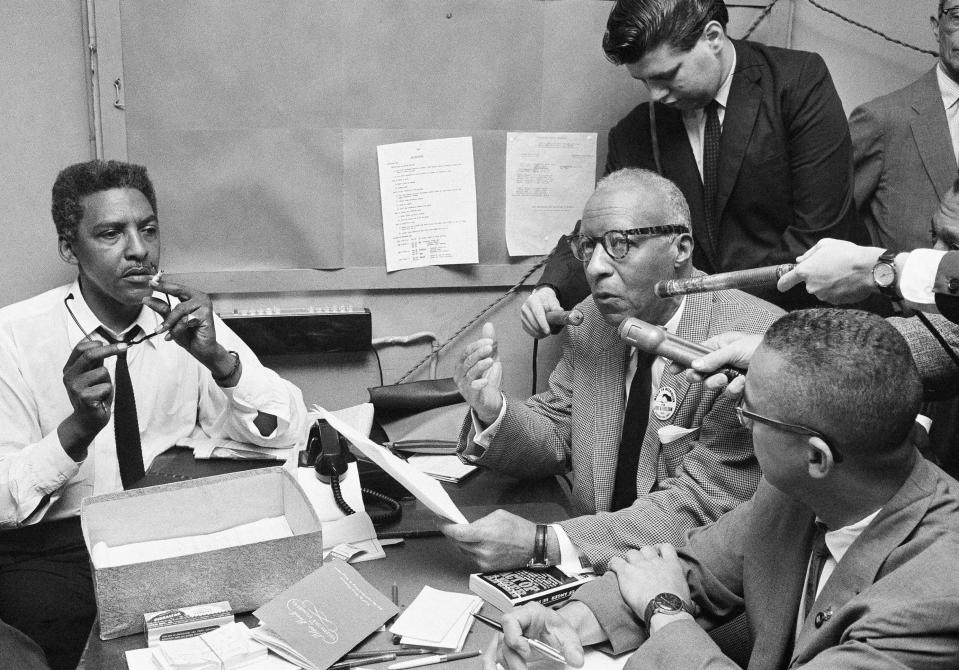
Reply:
x=739 y=279
x=655 y=340
x=560 y=318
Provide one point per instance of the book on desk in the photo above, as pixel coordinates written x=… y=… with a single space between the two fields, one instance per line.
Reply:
x=511 y=588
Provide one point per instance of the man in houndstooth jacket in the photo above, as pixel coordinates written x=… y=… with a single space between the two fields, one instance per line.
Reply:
x=695 y=460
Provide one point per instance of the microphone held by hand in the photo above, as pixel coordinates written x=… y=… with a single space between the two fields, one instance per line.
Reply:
x=739 y=279
x=559 y=318
x=655 y=340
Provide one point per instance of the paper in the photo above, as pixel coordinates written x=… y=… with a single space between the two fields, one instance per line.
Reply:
x=549 y=178
x=356 y=530
x=224 y=447
x=443 y=468
x=426 y=489
x=437 y=618
x=428 y=197
x=326 y=613
x=263 y=530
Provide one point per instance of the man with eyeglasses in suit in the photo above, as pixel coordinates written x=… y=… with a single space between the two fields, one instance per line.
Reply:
x=650 y=455
x=110 y=348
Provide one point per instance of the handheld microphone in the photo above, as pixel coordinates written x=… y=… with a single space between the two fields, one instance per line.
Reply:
x=655 y=340
x=559 y=318
x=740 y=279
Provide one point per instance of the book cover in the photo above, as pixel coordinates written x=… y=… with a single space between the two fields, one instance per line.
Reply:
x=511 y=588
x=326 y=614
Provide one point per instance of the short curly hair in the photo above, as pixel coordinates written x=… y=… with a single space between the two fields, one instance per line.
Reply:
x=81 y=179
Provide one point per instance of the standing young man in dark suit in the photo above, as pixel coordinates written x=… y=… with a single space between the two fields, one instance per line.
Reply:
x=783 y=170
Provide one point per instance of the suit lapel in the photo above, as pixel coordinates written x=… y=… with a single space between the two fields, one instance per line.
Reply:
x=693 y=325
x=934 y=147
x=742 y=107
x=861 y=563
x=608 y=410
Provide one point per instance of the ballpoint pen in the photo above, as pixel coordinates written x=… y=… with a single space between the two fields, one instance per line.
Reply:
x=340 y=665
x=541 y=647
x=417 y=651
x=432 y=660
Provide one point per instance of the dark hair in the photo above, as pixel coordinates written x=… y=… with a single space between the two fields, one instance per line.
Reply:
x=81 y=179
x=636 y=27
x=849 y=374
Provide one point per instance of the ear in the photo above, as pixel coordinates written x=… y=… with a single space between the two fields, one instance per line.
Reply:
x=683 y=248
x=65 y=249
x=714 y=34
x=819 y=458
x=934 y=24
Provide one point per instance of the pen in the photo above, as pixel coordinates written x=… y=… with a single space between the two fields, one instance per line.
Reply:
x=541 y=647
x=360 y=661
x=418 y=651
x=396 y=594
x=432 y=660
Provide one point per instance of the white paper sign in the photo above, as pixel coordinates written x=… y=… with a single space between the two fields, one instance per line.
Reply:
x=428 y=196
x=549 y=178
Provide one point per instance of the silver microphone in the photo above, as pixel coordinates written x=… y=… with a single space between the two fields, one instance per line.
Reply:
x=655 y=340
x=740 y=279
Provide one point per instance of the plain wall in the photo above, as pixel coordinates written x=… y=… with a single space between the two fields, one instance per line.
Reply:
x=43 y=64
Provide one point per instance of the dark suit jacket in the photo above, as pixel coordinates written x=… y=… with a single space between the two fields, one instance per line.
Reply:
x=576 y=424
x=947 y=286
x=903 y=163
x=785 y=170
x=892 y=602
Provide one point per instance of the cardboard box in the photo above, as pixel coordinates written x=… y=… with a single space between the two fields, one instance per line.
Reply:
x=247 y=576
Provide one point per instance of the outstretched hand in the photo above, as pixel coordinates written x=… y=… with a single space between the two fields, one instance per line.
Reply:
x=479 y=376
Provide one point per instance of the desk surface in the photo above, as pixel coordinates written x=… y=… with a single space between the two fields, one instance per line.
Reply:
x=413 y=564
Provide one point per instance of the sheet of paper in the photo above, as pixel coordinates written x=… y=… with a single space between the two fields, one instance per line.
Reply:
x=142 y=659
x=426 y=489
x=444 y=468
x=428 y=197
x=357 y=530
x=326 y=613
x=549 y=177
x=437 y=619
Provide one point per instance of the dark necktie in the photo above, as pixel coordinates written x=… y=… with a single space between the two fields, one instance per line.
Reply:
x=126 y=428
x=711 y=170
x=820 y=554
x=634 y=429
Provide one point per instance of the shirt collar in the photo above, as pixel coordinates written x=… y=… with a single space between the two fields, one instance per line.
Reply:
x=722 y=95
x=948 y=88
x=838 y=541
x=147 y=319
x=673 y=324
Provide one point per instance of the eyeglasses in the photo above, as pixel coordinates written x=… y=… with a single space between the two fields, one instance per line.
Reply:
x=617 y=243
x=747 y=418
x=89 y=336
x=950 y=17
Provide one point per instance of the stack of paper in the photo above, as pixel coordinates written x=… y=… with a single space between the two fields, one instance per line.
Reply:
x=440 y=619
x=223 y=447
x=229 y=647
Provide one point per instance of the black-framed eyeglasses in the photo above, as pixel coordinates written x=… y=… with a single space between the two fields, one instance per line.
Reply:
x=89 y=336
x=746 y=419
x=617 y=243
x=950 y=17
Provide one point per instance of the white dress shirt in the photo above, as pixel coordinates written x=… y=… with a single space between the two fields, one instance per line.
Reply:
x=919 y=276
x=176 y=397
x=949 y=90
x=695 y=119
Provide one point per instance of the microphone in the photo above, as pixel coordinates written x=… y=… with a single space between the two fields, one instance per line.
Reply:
x=655 y=340
x=558 y=318
x=766 y=276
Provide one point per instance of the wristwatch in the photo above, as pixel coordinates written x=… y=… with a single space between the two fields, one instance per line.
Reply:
x=539 y=561
x=884 y=274
x=666 y=603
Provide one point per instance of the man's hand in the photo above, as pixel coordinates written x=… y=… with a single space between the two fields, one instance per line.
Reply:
x=533 y=314
x=945 y=221
x=479 y=376
x=498 y=541
x=646 y=573
x=90 y=391
x=190 y=324
x=732 y=349
x=512 y=651
x=835 y=271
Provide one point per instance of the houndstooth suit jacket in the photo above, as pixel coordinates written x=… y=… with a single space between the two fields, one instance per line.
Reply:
x=575 y=427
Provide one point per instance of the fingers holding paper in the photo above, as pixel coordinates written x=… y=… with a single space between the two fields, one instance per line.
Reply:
x=479 y=376
x=498 y=541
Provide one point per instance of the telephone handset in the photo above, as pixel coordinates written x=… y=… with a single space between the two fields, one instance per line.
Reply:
x=328 y=453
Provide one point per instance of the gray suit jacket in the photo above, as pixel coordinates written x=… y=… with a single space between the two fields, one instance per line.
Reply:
x=892 y=602
x=575 y=426
x=940 y=374
x=903 y=163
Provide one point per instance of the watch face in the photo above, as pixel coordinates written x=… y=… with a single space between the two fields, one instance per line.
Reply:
x=884 y=274
x=670 y=601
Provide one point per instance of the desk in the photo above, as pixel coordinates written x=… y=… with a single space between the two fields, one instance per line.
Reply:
x=413 y=564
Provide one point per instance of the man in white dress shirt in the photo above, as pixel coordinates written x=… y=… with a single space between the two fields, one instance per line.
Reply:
x=72 y=424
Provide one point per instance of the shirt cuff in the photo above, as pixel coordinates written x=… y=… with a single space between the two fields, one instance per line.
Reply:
x=259 y=389
x=39 y=471
x=568 y=553
x=483 y=436
x=919 y=276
